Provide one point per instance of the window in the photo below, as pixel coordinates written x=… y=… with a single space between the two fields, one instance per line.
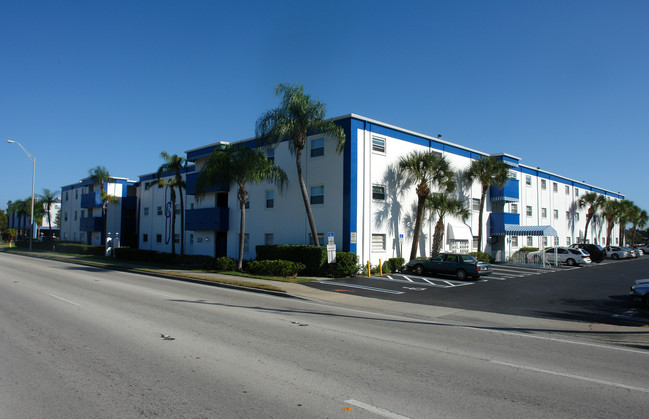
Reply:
x=555 y=187
x=147 y=186
x=476 y=204
x=556 y=241
x=158 y=238
x=268 y=239
x=514 y=208
x=146 y=211
x=378 y=242
x=246 y=242
x=528 y=180
x=544 y=185
x=545 y=241
x=145 y=238
x=270 y=155
x=529 y=241
x=76 y=194
x=576 y=191
x=159 y=210
x=320 y=239
x=65 y=217
x=567 y=215
x=378 y=145
x=317 y=195
x=75 y=216
x=567 y=241
x=66 y=195
x=378 y=192
x=475 y=242
x=528 y=210
x=567 y=190
x=177 y=209
x=317 y=147
x=176 y=238
x=270 y=199
x=514 y=241
x=556 y=214
x=544 y=212
x=247 y=205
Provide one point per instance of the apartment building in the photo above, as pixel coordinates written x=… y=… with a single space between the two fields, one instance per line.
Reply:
x=360 y=200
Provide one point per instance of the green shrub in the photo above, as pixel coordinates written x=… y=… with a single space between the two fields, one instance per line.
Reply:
x=394 y=265
x=482 y=257
x=274 y=267
x=313 y=257
x=346 y=265
x=78 y=248
x=224 y=263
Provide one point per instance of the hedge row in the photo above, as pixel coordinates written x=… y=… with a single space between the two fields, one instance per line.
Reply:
x=313 y=257
x=275 y=267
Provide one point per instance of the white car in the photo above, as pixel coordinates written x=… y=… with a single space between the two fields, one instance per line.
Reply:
x=566 y=255
x=644 y=247
x=616 y=252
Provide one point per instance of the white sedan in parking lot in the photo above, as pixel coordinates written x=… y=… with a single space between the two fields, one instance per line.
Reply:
x=616 y=253
x=566 y=255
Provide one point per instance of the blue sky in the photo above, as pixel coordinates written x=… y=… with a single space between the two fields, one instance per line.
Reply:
x=561 y=84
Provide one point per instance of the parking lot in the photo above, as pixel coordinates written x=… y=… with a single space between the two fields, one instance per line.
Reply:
x=595 y=292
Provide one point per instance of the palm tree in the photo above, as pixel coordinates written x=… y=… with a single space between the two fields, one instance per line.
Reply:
x=444 y=204
x=639 y=218
x=172 y=184
x=22 y=209
x=239 y=165
x=101 y=175
x=176 y=164
x=611 y=212
x=425 y=169
x=297 y=117
x=46 y=200
x=627 y=209
x=489 y=171
x=594 y=202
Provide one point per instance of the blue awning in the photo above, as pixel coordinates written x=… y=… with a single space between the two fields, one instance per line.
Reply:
x=516 y=230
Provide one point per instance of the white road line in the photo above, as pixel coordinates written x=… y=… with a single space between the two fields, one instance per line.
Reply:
x=63 y=299
x=375 y=410
x=365 y=287
x=577 y=377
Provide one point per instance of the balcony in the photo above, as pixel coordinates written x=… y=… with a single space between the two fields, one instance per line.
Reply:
x=207 y=219
x=191 y=185
x=497 y=221
x=91 y=224
x=91 y=200
x=508 y=193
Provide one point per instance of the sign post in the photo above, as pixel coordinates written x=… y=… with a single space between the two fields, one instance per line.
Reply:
x=331 y=248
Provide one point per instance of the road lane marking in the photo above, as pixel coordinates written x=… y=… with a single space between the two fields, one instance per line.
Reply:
x=66 y=300
x=159 y=293
x=375 y=410
x=365 y=287
x=577 y=377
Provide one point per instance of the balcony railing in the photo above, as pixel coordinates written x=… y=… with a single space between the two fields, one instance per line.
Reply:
x=508 y=193
x=497 y=221
x=91 y=200
x=207 y=219
x=91 y=224
x=191 y=185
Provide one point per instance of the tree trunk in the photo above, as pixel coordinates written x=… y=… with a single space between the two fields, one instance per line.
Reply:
x=586 y=228
x=437 y=237
x=305 y=197
x=179 y=180
x=483 y=197
x=418 y=221
x=243 y=197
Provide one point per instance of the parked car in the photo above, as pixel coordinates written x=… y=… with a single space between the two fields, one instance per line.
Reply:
x=640 y=292
x=633 y=252
x=567 y=255
x=616 y=252
x=597 y=252
x=459 y=264
x=639 y=252
x=643 y=247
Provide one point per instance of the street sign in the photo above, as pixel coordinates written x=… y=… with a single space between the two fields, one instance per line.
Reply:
x=331 y=253
x=352 y=237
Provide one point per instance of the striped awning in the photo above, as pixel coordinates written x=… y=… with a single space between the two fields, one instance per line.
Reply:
x=516 y=230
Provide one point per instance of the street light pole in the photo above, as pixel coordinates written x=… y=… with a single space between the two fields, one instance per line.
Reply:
x=31 y=217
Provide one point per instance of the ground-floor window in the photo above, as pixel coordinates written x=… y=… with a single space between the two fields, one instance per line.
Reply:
x=268 y=239
x=514 y=241
x=459 y=246
x=475 y=242
x=378 y=242
x=567 y=241
x=145 y=238
x=529 y=241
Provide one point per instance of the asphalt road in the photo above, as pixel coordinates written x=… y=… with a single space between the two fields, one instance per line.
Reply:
x=592 y=293
x=77 y=341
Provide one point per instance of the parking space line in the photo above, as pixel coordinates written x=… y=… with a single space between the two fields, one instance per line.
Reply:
x=342 y=284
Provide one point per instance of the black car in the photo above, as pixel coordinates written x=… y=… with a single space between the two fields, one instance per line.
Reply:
x=461 y=265
x=597 y=252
